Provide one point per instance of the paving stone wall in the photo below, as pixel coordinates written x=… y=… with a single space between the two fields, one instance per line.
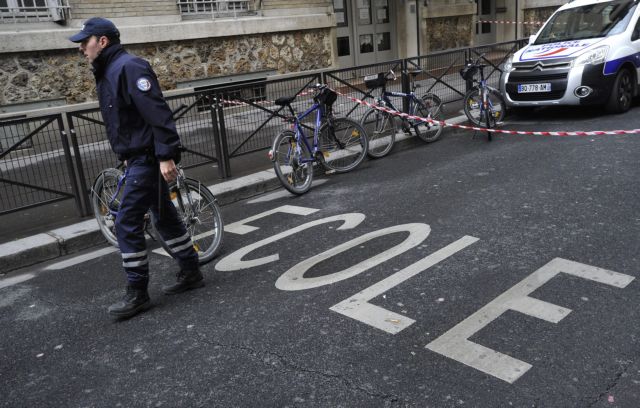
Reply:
x=27 y=77
x=448 y=32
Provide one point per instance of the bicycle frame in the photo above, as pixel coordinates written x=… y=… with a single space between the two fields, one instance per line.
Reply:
x=300 y=135
x=410 y=96
x=121 y=180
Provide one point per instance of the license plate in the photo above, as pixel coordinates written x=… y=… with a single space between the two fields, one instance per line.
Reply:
x=528 y=88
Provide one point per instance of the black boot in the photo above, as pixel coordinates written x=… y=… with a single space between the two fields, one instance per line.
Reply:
x=185 y=280
x=136 y=300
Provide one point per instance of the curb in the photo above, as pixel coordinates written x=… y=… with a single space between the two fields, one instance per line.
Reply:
x=86 y=234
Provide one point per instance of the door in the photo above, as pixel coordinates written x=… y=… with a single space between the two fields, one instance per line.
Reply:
x=346 y=49
x=365 y=35
x=486 y=32
x=365 y=31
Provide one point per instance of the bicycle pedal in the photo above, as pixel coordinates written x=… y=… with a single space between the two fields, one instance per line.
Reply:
x=329 y=172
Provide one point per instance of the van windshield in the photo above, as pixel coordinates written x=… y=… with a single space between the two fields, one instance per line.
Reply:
x=592 y=21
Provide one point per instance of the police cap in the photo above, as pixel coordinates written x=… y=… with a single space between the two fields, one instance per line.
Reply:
x=97 y=26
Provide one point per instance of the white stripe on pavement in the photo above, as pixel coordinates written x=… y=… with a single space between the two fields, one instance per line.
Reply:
x=15 y=280
x=82 y=258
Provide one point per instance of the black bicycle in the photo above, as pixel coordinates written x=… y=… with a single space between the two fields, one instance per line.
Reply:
x=381 y=126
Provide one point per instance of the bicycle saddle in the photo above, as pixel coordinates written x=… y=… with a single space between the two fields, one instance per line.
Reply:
x=285 y=100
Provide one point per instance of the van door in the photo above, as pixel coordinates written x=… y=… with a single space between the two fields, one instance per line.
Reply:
x=635 y=43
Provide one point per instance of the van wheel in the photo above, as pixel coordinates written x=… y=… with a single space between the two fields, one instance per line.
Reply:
x=622 y=93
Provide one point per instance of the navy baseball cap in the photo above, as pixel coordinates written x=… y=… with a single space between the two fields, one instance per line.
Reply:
x=97 y=26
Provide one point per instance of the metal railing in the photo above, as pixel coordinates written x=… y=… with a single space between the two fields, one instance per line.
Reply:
x=215 y=8
x=56 y=157
x=24 y=11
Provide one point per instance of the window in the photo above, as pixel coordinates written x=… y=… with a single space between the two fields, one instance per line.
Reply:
x=382 y=11
x=215 y=8
x=33 y=10
x=384 y=41
x=340 y=9
x=366 y=44
x=343 y=47
x=364 y=12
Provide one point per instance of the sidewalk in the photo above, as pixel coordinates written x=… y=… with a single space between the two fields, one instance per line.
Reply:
x=82 y=235
x=78 y=236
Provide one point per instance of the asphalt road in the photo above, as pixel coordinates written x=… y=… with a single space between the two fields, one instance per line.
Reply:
x=457 y=274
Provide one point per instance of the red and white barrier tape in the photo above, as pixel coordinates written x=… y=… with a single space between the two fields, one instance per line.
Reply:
x=511 y=22
x=465 y=127
x=480 y=129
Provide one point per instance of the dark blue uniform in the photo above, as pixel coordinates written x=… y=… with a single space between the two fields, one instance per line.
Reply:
x=141 y=130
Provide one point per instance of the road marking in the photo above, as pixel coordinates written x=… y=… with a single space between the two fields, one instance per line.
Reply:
x=281 y=193
x=358 y=307
x=241 y=228
x=14 y=280
x=234 y=262
x=81 y=258
x=294 y=279
x=455 y=343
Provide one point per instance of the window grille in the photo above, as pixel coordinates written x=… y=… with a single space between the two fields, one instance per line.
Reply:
x=215 y=8
x=16 y=11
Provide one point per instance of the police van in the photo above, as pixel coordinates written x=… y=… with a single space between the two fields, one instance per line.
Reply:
x=587 y=53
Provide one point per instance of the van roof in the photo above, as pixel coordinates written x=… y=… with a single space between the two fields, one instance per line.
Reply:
x=579 y=3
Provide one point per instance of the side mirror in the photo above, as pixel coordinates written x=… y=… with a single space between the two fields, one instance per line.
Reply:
x=532 y=39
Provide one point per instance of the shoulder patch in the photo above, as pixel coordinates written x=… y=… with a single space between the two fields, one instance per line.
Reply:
x=143 y=84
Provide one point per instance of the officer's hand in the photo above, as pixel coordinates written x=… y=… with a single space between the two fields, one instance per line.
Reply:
x=169 y=170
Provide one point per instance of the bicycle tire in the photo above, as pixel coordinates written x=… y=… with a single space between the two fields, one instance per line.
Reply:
x=381 y=132
x=344 y=148
x=102 y=192
x=473 y=107
x=429 y=106
x=293 y=175
x=490 y=123
x=202 y=219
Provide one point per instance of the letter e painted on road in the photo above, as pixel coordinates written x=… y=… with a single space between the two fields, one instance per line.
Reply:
x=455 y=343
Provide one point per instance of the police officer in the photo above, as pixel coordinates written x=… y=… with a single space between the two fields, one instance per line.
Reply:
x=142 y=133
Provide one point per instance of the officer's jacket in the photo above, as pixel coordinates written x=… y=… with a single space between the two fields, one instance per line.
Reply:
x=137 y=118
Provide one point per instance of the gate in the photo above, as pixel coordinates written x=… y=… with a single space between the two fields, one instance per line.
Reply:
x=35 y=164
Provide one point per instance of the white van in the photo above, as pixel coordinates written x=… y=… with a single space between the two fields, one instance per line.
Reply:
x=587 y=53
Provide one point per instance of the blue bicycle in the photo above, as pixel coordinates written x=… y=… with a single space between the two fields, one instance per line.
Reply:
x=196 y=205
x=339 y=144
x=484 y=105
x=381 y=126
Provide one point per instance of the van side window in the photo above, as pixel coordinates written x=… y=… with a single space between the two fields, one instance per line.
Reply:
x=636 y=32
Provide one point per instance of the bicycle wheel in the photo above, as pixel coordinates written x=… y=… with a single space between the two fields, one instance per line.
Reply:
x=473 y=107
x=104 y=201
x=294 y=175
x=381 y=132
x=429 y=106
x=199 y=211
x=344 y=148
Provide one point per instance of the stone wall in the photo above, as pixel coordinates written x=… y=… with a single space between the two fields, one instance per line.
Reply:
x=536 y=15
x=27 y=77
x=446 y=33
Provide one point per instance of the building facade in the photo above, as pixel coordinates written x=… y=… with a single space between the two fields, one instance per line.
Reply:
x=200 y=42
